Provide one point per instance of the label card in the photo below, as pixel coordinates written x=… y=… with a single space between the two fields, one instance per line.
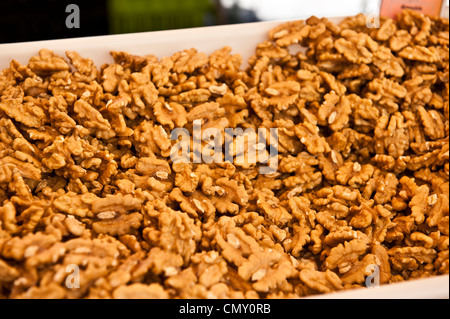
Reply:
x=390 y=8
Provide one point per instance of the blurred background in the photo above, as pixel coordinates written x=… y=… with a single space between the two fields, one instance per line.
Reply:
x=30 y=20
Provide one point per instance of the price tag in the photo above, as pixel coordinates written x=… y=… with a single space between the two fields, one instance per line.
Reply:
x=391 y=8
x=444 y=10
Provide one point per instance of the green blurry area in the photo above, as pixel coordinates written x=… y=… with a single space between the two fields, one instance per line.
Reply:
x=30 y=20
x=125 y=16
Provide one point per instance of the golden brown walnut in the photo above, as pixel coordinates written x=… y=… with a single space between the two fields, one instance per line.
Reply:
x=410 y=258
x=86 y=71
x=47 y=62
x=310 y=85
x=171 y=114
x=27 y=113
x=185 y=178
x=140 y=291
x=343 y=255
x=391 y=134
x=309 y=136
x=387 y=93
x=306 y=174
x=188 y=60
x=385 y=187
x=210 y=267
x=73 y=204
x=271 y=208
x=194 y=205
x=290 y=33
x=419 y=204
x=321 y=281
x=209 y=115
x=229 y=196
x=235 y=108
x=439 y=210
x=116 y=225
x=282 y=94
x=150 y=139
x=354 y=174
x=420 y=53
x=387 y=29
x=93 y=119
x=178 y=234
x=356 y=47
x=7 y=273
x=433 y=123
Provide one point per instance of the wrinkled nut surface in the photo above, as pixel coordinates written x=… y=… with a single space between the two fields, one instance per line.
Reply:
x=86 y=178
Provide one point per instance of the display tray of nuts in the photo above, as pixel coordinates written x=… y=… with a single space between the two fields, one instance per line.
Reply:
x=283 y=159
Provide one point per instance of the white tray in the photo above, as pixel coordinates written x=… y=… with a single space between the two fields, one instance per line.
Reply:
x=242 y=38
x=428 y=288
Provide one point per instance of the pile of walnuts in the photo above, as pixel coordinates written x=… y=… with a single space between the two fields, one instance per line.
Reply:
x=87 y=182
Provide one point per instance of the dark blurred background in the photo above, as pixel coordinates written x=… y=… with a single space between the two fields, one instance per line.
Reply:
x=26 y=20
x=31 y=20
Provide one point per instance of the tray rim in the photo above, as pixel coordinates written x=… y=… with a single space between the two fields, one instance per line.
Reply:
x=233 y=34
